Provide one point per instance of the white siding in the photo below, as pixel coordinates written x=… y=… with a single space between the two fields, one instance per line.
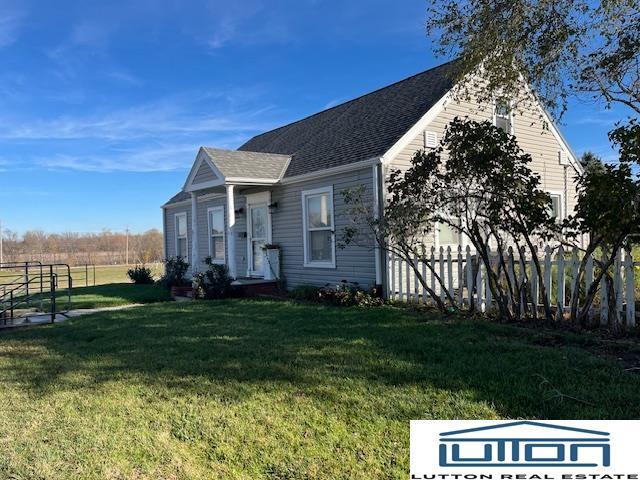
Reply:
x=532 y=137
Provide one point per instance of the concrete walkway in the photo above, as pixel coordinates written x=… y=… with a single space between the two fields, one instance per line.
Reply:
x=43 y=318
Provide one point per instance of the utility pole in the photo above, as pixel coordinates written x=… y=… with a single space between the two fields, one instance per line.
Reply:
x=127 y=237
x=1 y=235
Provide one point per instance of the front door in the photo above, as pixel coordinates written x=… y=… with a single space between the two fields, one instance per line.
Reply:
x=258 y=236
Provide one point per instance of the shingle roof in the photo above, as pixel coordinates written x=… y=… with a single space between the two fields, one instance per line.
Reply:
x=360 y=129
x=234 y=163
x=178 y=197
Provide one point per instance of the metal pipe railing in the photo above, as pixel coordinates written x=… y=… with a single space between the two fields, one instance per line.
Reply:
x=22 y=284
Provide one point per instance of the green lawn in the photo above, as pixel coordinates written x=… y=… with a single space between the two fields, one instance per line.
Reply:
x=109 y=295
x=266 y=389
x=116 y=294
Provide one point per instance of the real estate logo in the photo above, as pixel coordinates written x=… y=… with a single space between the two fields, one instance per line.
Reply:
x=525 y=450
x=553 y=446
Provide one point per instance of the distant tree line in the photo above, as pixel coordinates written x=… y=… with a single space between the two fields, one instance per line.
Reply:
x=104 y=248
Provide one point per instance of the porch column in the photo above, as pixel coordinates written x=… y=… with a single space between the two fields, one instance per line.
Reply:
x=231 y=237
x=194 y=233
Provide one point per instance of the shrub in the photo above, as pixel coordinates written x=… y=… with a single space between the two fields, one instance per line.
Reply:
x=305 y=292
x=140 y=275
x=214 y=283
x=175 y=273
x=344 y=294
x=348 y=294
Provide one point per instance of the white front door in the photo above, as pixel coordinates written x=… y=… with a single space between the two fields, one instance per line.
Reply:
x=258 y=232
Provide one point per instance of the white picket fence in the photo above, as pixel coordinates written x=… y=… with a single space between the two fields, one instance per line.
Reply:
x=455 y=268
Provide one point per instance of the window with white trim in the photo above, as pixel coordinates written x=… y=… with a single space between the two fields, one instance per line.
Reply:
x=182 y=243
x=502 y=115
x=216 y=234
x=318 y=223
x=555 y=207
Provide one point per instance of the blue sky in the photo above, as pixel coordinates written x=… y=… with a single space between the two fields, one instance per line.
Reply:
x=103 y=105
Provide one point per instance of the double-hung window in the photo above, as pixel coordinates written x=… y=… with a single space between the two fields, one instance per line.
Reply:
x=502 y=115
x=216 y=234
x=182 y=243
x=318 y=225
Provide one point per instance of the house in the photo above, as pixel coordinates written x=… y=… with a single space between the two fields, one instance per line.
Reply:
x=284 y=186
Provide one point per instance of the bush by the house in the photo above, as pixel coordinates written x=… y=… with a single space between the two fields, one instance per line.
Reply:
x=175 y=273
x=344 y=294
x=140 y=275
x=348 y=294
x=215 y=282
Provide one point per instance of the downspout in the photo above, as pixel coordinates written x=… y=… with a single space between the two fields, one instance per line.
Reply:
x=378 y=209
x=164 y=237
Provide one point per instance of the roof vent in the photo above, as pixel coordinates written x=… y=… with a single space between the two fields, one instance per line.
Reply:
x=430 y=139
x=562 y=158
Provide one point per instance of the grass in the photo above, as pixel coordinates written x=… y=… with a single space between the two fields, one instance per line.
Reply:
x=115 y=294
x=277 y=390
x=113 y=288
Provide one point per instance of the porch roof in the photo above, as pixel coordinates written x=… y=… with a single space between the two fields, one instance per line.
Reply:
x=241 y=164
x=232 y=167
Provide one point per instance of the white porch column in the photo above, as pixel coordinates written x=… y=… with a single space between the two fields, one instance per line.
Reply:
x=231 y=237
x=195 y=264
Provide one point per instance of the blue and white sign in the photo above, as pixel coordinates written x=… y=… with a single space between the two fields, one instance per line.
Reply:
x=531 y=450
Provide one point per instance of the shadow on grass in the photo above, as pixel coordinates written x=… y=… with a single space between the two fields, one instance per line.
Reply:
x=115 y=294
x=237 y=348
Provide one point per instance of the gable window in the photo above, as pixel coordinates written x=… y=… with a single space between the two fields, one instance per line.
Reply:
x=502 y=115
x=555 y=207
x=182 y=244
x=216 y=234
x=318 y=224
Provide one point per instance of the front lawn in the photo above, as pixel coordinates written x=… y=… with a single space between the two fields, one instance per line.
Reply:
x=109 y=295
x=265 y=389
x=116 y=294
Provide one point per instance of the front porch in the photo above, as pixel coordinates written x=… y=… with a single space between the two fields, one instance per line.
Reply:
x=238 y=229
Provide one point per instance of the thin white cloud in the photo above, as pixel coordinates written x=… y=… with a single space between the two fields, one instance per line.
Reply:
x=10 y=24
x=149 y=121
x=146 y=158
x=158 y=159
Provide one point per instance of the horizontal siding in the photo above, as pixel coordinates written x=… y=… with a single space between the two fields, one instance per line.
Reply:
x=170 y=229
x=204 y=174
x=353 y=263
x=203 y=227
x=532 y=137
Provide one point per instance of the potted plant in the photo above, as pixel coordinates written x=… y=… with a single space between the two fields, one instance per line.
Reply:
x=271 y=261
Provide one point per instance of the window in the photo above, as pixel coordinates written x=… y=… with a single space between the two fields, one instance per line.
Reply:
x=319 y=242
x=555 y=208
x=448 y=235
x=182 y=245
x=216 y=234
x=502 y=115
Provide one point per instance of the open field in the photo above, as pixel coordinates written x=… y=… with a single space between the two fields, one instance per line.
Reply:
x=278 y=390
x=83 y=276
x=107 y=274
